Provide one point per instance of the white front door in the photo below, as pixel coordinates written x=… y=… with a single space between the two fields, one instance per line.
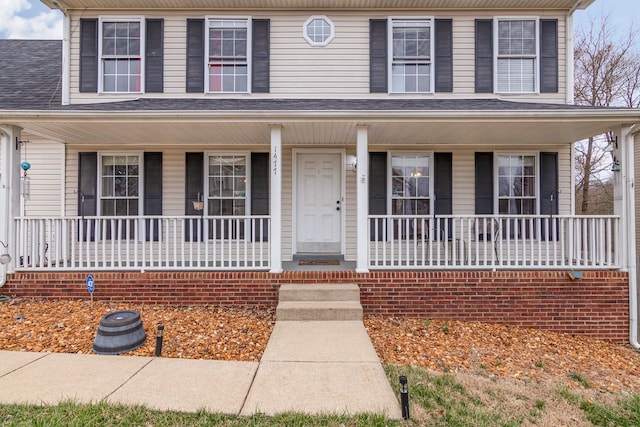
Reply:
x=318 y=202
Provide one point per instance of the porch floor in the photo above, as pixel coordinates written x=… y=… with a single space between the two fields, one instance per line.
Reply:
x=296 y=266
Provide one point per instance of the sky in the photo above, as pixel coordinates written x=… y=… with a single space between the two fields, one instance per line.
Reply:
x=30 y=19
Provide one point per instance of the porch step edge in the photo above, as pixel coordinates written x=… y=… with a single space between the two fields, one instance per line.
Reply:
x=319 y=292
x=319 y=310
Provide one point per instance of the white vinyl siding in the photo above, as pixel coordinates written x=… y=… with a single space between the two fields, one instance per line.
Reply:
x=339 y=70
x=45 y=177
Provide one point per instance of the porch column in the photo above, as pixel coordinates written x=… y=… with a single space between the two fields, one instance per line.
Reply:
x=623 y=195
x=362 y=196
x=9 y=192
x=276 y=199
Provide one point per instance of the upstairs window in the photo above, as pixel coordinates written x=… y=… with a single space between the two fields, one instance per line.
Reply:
x=517 y=55
x=121 y=55
x=228 y=47
x=411 y=53
x=318 y=31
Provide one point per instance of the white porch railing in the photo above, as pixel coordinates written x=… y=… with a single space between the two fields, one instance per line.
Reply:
x=143 y=243
x=496 y=242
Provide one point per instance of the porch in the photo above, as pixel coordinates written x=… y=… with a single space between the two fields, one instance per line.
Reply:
x=246 y=243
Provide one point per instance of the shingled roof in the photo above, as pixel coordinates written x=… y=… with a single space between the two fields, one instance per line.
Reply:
x=30 y=74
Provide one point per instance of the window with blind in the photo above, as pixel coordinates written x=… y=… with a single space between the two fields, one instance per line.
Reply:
x=228 y=47
x=411 y=48
x=517 y=184
x=517 y=55
x=121 y=55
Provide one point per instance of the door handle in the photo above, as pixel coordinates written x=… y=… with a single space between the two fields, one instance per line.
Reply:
x=338 y=203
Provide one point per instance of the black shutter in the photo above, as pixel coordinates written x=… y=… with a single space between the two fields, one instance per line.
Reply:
x=378 y=55
x=548 y=192
x=260 y=193
x=195 y=55
x=87 y=193
x=484 y=183
x=443 y=188
x=444 y=55
x=154 y=56
x=88 y=55
x=378 y=191
x=194 y=188
x=549 y=55
x=260 y=56
x=152 y=192
x=484 y=56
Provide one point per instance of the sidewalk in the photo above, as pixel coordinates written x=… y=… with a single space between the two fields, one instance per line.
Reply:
x=309 y=367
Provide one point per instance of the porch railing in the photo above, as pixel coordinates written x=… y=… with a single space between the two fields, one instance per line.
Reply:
x=496 y=242
x=143 y=243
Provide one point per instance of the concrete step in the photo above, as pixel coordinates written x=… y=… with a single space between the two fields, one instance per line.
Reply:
x=319 y=310
x=319 y=292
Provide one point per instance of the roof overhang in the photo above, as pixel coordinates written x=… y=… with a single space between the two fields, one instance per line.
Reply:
x=317 y=4
x=252 y=127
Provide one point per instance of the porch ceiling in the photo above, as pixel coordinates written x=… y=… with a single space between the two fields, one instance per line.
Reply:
x=316 y=4
x=326 y=128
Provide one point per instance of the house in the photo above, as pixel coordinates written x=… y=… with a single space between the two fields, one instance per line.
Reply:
x=200 y=150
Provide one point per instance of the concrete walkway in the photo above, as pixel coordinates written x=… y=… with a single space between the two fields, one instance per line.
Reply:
x=311 y=367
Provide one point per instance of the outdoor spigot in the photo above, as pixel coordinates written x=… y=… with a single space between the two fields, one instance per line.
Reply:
x=404 y=397
x=159 y=335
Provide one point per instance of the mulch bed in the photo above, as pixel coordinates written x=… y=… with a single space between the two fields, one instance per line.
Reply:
x=197 y=332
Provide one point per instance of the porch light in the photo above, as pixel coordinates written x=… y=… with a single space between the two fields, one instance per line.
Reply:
x=5 y=258
x=159 y=336
x=351 y=163
x=404 y=397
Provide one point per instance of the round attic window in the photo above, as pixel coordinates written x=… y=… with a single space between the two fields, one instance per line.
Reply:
x=318 y=31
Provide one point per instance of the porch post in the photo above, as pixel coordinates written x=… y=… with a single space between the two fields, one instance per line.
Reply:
x=362 y=196
x=623 y=195
x=9 y=192
x=276 y=199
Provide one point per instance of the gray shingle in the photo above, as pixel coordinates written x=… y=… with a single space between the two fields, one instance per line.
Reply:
x=30 y=74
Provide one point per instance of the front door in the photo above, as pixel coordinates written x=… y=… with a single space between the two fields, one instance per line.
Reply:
x=318 y=202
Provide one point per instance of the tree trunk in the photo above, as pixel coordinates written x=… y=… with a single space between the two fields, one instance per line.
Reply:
x=587 y=177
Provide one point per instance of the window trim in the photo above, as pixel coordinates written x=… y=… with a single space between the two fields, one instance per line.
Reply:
x=430 y=166
x=140 y=155
x=205 y=187
x=390 y=27
x=309 y=40
x=143 y=39
x=496 y=178
x=497 y=56
x=207 y=21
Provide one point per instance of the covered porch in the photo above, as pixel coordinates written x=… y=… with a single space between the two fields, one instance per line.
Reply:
x=459 y=240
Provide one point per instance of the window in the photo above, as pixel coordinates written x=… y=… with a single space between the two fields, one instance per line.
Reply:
x=228 y=47
x=411 y=52
x=517 y=184
x=227 y=185
x=318 y=31
x=410 y=185
x=120 y=185
x=517 y=55
x=121 y=55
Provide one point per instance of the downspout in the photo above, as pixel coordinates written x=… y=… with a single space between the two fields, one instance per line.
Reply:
x=66 y=51
x=570 y=66
x=633 y=274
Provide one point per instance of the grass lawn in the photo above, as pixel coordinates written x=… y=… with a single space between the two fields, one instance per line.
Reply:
x=436 y=399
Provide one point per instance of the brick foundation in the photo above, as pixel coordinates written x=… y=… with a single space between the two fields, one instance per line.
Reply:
x=596 y=306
